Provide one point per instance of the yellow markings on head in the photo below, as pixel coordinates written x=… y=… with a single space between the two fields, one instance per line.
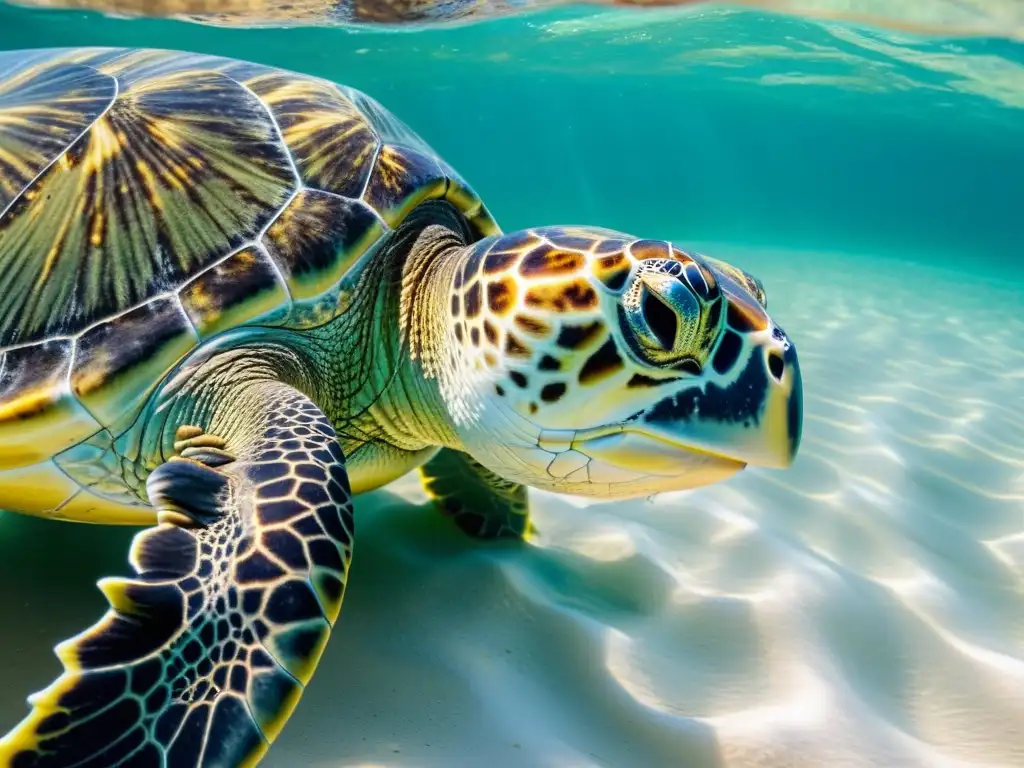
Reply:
x=612 y=270
x=515 y=348
x=567 y=296
x=549 y=261
x=532 y=325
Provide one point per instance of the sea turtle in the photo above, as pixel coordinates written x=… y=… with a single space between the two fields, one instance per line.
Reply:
x=233 y=296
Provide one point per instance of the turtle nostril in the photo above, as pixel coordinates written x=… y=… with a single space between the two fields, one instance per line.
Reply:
x=776 y=366
x=661 y=320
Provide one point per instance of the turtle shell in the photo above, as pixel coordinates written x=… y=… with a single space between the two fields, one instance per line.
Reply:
x=150 y=200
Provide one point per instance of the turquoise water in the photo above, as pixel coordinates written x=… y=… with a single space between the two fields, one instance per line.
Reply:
x=715 y=126
x=865 y=607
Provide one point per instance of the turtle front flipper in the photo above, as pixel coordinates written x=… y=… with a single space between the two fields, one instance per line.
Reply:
x=480 y=502
x=206 y=650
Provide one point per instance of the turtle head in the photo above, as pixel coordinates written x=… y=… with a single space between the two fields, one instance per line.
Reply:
x=604 y=365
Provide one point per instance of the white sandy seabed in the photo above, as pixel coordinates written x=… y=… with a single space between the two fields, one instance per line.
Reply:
x=864 y=608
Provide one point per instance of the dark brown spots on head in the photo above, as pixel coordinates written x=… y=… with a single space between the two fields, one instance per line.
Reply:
x=473 y=263
x=612 y=270
x=549 y=363
x=456 y=305
x=490 y=332
x=650 y=249
x=602 y=364
x=514 y=347
x=580 y=295
x=533 y=408
x=578 y=336
x=546 y=260
x=744 y=317
x=728 y=353
x=499 y=390
x=532 y=325
x=498 y=262
x=473 y=295
x=639 y=381
x=518 y=379
x=562 y=297
x=459 y=331
x=501 y=295
x=552 y=393
x=474 y=335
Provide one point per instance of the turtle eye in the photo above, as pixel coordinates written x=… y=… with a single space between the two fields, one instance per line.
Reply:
x=660 y=319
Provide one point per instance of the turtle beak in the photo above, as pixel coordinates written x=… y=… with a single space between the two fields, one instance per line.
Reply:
x=756 y=419
x=775 y=438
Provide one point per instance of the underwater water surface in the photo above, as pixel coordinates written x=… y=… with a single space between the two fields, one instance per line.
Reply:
x=864 y=608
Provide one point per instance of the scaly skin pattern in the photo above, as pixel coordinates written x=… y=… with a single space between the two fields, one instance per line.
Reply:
x=611 y=366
